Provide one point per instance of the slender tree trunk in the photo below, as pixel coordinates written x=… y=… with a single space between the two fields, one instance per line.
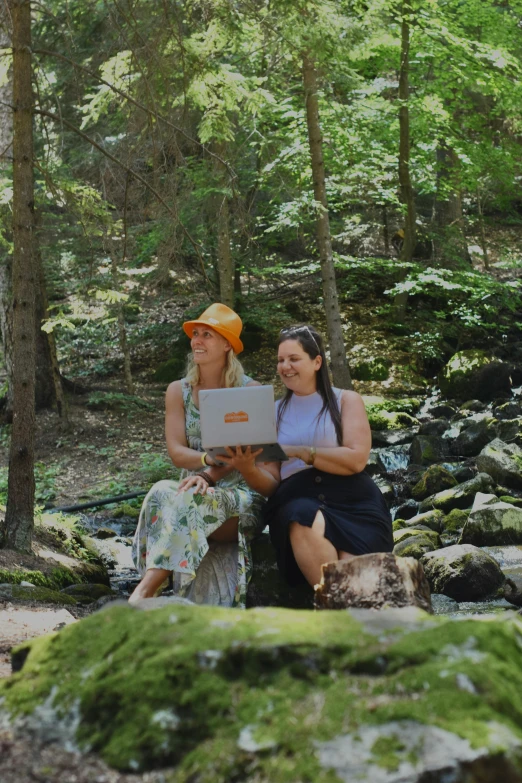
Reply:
x=18 y=525
x=406 y=189
x=225 y=260
x=482 y=229
x=405 y=186
x=6 y=162
x=50 y=389
x=450 y=242
x=340 y=371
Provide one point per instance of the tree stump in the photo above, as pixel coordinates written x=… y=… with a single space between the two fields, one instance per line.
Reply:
x=373 y=582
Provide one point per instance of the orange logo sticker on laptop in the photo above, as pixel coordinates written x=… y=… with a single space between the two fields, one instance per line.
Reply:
x=234 y=417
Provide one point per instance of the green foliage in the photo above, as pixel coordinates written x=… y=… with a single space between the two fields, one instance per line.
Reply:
x=155 y=467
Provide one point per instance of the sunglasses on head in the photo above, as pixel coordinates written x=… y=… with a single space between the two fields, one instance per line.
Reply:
x=289 y=330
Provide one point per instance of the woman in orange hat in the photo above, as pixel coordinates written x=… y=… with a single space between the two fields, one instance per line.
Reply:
x=199 y=529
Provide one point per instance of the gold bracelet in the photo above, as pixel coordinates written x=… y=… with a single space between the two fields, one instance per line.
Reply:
x=311 y=457
x=204 y=459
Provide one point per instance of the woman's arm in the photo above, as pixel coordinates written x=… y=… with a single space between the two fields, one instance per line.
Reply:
x=353 y=455
x=263 y=477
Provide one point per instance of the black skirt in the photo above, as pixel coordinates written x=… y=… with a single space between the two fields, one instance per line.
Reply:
x=356 y=515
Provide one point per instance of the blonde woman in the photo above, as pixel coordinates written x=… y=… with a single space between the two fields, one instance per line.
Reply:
x=199 y=529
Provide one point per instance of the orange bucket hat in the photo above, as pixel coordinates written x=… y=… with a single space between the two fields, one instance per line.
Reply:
x=222 y=320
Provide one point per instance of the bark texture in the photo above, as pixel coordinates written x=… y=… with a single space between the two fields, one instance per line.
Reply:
x=340 y=371
x=406 y=189
x=20 y=494
x=225 y=261
x=373 y=582
x=6 y=161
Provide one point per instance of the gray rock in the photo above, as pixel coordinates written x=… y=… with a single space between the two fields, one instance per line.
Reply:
x=475 y=406
x=503 y=462
x=513 y=590
x=411 y=752
x=393 y=437
x=105 y=532
x=416 y=546
x=492 y=523
x=432 y=519
x=434 y=427
x=461 y=496
x=407 y=510
x=428 y=449
x=508 y=410
x=443 y=411
x=87 y=593
x=463 y=572
x=509 y=430
x=474 y=437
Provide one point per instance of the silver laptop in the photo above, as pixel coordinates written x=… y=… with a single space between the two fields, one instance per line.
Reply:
x=242 y=416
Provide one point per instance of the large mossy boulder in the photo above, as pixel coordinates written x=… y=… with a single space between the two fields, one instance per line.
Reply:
x=492 y=523
x=216 y=695
x=432 y=519
x=461 y=496
x=463 y=572
x=433 y=480
x=474 y=373
x=503 y=461
x=418 y=544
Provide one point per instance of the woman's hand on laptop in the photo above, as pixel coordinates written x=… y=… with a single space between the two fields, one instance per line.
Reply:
x=241 y=459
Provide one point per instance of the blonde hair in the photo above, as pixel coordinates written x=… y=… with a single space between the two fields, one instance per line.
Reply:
x=233 y=372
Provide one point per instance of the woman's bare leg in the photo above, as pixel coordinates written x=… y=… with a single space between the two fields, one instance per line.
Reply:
x=345 y=555
x=151 y=582
x=227 y=532
x=311 y=548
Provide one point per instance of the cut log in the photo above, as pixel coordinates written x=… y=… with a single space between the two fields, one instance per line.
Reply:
x=373 y=582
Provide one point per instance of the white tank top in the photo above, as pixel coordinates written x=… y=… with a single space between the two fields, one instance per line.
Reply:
x=302 y=426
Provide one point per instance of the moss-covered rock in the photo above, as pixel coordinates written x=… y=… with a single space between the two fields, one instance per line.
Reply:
x=417 y=545
x=502 y=461
x=431 y=519
x=428 y=449
x=87 y=593
x=434 y=480
x=464 y=572
x=21 y=594
x=473 y=437
x=390 y=420
x=474 y=373
x=510 y=499
x=455 y=521
x=277 y=695
x=461 y=496
x=492 y=523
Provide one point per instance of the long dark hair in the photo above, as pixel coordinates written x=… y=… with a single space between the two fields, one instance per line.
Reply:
x=312 y=343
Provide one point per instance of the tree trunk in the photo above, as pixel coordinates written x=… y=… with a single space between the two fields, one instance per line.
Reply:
x=18 y=525
x=48 y=388
x=482 y=229
x=406 y=189
x=340 y=371
x=6 y=161
x=450 y=242
x=376 y=581
x=225 y=261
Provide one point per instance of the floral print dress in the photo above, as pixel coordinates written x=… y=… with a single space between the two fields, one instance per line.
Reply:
x=173 y=529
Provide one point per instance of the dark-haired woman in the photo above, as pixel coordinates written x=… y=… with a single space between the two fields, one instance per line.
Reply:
x=326 y=507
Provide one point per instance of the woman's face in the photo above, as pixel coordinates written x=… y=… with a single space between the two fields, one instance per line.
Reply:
x=208 y=346
x=296 y=368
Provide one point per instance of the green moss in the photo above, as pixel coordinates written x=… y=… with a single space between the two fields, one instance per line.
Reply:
x=372 y=370
x=179 y=686
x=41 y=595
x=510 y=499
x=55 y=580
x=390 y=420
x=126 y=510
x=455 y=520
x=386 y=750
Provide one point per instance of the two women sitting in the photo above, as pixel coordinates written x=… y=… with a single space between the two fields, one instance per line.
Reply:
x=321 y=506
